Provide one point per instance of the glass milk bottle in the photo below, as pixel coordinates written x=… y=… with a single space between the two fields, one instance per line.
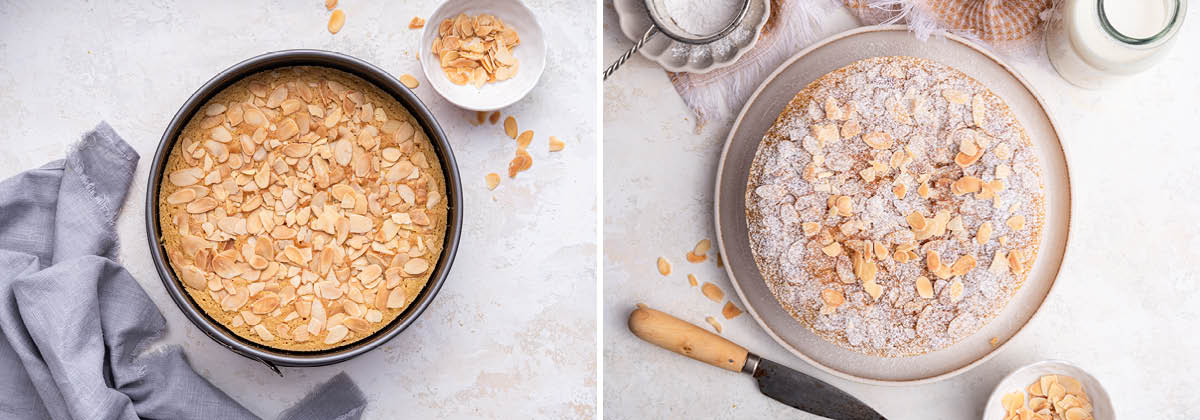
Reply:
x=1097 y=41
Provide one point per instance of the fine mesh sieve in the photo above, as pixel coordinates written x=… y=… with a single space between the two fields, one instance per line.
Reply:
x=661 y=21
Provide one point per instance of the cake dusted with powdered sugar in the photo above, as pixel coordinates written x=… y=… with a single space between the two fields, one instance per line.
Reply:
x=895 y=206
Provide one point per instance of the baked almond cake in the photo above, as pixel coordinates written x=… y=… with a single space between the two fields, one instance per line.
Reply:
x=302 y=208
x=895 y=206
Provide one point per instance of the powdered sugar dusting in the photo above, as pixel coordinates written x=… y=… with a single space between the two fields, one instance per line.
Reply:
x=879 y=131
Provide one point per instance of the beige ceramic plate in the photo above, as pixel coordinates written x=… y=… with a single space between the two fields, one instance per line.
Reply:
x=758 y=115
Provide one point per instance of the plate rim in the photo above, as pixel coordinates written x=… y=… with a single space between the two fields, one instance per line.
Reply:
x=723 y=159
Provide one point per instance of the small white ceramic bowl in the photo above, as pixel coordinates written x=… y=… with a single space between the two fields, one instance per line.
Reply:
x=1021 y=378
x=495 y=95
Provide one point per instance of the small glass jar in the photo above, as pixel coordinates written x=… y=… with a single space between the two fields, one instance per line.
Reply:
x=1097 y=41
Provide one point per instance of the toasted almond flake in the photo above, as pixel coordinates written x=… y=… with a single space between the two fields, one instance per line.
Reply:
x=978 y=111
x=556 y=144
x=845 y=206
x=336 y=333
x=984 y=234
x=396 y=298
x=181 y=196
x=693 y=258
x=916 y=220
x=330 y=4
x=900 y=191
x=832 y=297
x=510 y=127
x=713 y=321
x=1012 y=401
x=664 y=266
x=879 y=140
x=873 y=289
x=923 y=190
x=201 y=205
x=712 y=292
x=962 y=265
x=956 y=290
x=416 y=23
x=810 y=228
x=416 y=266
x=409 y=81
x=336 y=21
x=524 y=138
x=834 y=249
x=730 y=311
x=924 y=287
x=493 y=179
x=1017 y=222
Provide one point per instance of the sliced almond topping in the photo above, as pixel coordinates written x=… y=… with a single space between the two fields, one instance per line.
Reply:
x=924 y=287
x=712 y=292
x=664 y=266
x=955 y=96
x=396 y=298
x=1017 y=222
x=900 y=191
x=962 y=265
x=965 y=185
x=730 y=311
x=923 y=190
x=978 y=111
x=556 y=144
x=201 y=205
x=186 y=177
x=985 y=233
x=181 y=196
x=336 y=334
x=416 y=266
x=832 y=297
x=873 y=289
x=917 y=221
x=810 y=228
x=879 y=140
x=932 y=261
x=845 y=206
x=524 y=138
x=834 y=249
x=869 y=271
x=956 y=290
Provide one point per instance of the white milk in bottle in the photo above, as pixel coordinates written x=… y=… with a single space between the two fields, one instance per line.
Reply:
x=1097 y=41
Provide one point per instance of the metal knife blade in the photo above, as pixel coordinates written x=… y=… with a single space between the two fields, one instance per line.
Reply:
x=807 y=393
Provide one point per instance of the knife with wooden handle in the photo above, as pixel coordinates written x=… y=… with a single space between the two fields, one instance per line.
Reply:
x=779 y=382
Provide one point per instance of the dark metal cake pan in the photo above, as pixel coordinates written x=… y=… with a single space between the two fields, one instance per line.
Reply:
x=273 y=357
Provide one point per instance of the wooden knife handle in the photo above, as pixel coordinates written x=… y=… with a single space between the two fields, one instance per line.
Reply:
x=676 y=335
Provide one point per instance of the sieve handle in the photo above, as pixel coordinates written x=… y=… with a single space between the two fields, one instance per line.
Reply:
x=628 y=54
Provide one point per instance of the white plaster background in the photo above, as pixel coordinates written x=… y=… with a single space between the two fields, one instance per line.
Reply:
x=1125 y=308
x=513 y=331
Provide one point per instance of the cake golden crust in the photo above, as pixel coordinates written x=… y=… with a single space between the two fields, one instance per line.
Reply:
x=895 y=206
x=303 y=208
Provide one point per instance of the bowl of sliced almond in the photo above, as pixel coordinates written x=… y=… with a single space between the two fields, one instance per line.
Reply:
x=303 y=208
x=1049 y=390
x=483 y=55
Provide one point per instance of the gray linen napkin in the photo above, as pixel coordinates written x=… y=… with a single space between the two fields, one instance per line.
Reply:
x=74 y=325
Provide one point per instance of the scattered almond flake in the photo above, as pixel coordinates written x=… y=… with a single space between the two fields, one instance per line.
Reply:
x=476 y=50
x=409 y=81
x=702 y=247
x=911 y=118
x=713 y=321
x=693 y=258
x=556 y=144
x=712 y=292
x=480 y=117
x=664 y=266
x=692 y=280
x=995 y=341
x=336 y=21
x=521 y=162
x=524 y=139
x=416 y=23
x=730 y=311
x=720 y=263
x=493 y=179
x=494 y=117
x=510 y=127
x=330 y=4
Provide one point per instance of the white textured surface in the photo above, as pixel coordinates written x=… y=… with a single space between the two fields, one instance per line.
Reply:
x=1124 y=309
x=513 y=330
